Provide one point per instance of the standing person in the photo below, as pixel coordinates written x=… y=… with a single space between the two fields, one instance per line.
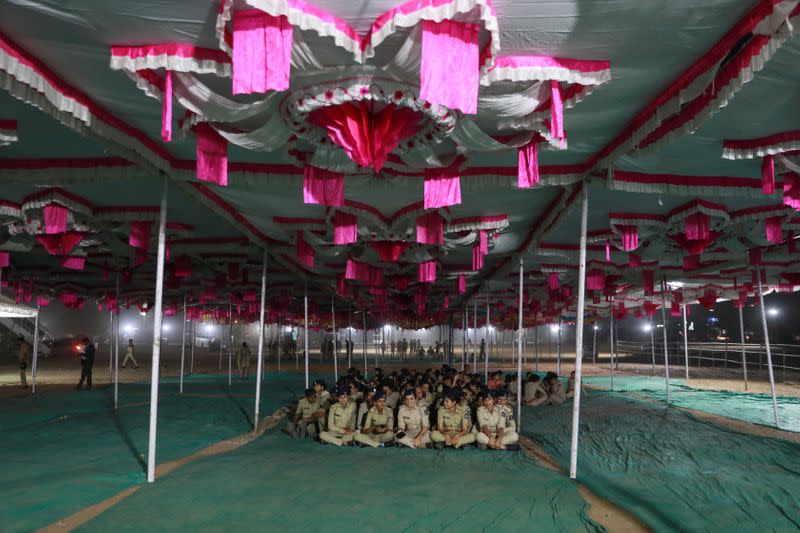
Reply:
x=378 y=428
x=24 y=354
x=87 y=362
x=412 y=422
x=383 y=349
x=483 y=349
x=341 y=420
x=243 y=360
x=129 y=356
x=452 y=423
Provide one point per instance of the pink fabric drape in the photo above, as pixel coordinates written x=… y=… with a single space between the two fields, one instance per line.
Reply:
x=4 y=259
x=426 y=272
x=754 y=256
x=368 y=137
x=595 y=280
x=698 y=227
x=552 y=281
x=60 y=244
x=55 y=218
x=305 y=253
x=528 y=165
x=675 y=309
x=767 y=175
x=212 y=155
x=357 y=270
x=262 y=52
x=483 y=242
x=608 y=250
x=477 y=258
x=166 y=108
x=183 y=266
x=446 y=302
x=322 y=186
x=462 y=284
x=345 y=228
x=774 y=230
x=630 y=237
x=389 y=251
x=42 y=302
x=140 y=234
x=74 y=263
x=791 y=190
x=442 y=188
x=430 y=229
x=449 y=69
x=648 y=282
x=634 y=261
x=556 y=110
x=691 y=261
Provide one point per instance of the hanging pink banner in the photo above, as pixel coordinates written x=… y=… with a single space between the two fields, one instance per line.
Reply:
x=774 y=230
x=389 y=251
x=74 y=263
x=630 y=237
x=462 y=284
x=212 y=155
x=426 y=272
x=477 y=258
x=648 y=282
x=345 y=228
x=556 y=110
x=42 y=302
x=528 y=165
x=430 y=229
x=305 y=253
x=698 y=227
x=4 y=259
x=322 y=186
x=140 y=234
x=634 y=261
x=791 y=190
x=449 y=70
x=55 y=219
x=552 y=281
x=262 y=52
x=61 y=244
x=768 y=175
x=166 y=108
x=595 y=280
x=483 y=242
x=441 y=188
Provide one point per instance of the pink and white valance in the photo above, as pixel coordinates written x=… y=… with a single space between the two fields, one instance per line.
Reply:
x=778 y=143
x=262 y=52
x=487 y=223
x=449 y=71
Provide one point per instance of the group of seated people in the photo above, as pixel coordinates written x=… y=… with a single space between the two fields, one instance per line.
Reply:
x=548 y=390
x=415 y=409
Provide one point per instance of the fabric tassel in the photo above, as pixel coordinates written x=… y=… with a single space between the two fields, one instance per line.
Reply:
x=389 y=251
x=166 y=108
x=648 y=282
x=477 y=258
x=305 y=253
x=430 y=229
x=556 y=111
x=441 y=189
x=449 y=68
x=483 y=242
x=630 y=237
x=462 y=284
x=73 y=262
x=322 y=187
x=634 y=261
x=60 y=244
x=212 y=155
x=698 y=227
x=426 y=272
x=139 y=236
x=55 y=219
x=768 y=175
x=262 y=52
x=4 y=259
x=774 y=230
x=791 y=190
x=528 y=164
x=608 y=251
x=552 y=281
x=345 y=228
x=595 y=280
x=446 y=302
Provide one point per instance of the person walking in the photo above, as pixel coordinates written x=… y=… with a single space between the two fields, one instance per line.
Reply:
x=24 y=355
x=87 y=361
x=129 y=356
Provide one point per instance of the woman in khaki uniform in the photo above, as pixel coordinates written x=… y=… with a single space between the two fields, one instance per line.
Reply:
x=452 y=424
x=379 y=426
x=412 y=422
x=341 y=420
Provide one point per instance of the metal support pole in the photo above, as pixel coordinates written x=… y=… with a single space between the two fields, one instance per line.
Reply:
x=116 y=353
x=594 y=343
x=666 y=347
x=364 y=345
x=35 y=366
x=191 y=351
x=536 y=346
x=475 y=335
x=558 y=355
x=744 y=357
x=463 y=337
x=685 y=343
x=305 y=332
x=110 y=346
x=612 y=347
x=486 y=355
x=230 y=341
x=576 y=403
x=335 y=351
x=157 y=319
x=652 y=345
x=349 y=337
x=519 y=350
x=183 y=345
x=769 y=351
x=260 y=364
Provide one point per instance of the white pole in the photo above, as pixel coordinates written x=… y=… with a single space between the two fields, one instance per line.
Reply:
x=34 y=368
x=685 y=343
x=769 y=351
x=230 y=341
x=335 y=351
x=260 y=364
x=536 y=346
x=305 y=332
x=486 y=355
x=576 y=404
x=594 y=342
x=652 y=345
x=744 y=358
x=612 y=347
x=110 y=345
x=664 y=320
x=364 y=345
x=116 y=353
x=558 y=355
x=349 y=337
x=191 y=352
x=183 y=345
x=475 y=335
x=220 y=347
x=162 y=221
x=519 y=351
x=463 y=337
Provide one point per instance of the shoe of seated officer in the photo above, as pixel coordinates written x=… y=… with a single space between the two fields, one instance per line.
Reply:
x=512 y=447
x=438 y=445
x=482 y=447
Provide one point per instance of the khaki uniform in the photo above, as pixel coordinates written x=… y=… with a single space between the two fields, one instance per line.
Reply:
x=494 y=421
x=24 y=355
x=511 y=423
x=392 y=399
x=534 y=394
x=305 y=410
x=339 y=419
x=129 y=357
x=361 y=417
x=557 y=394
x=376 y=418
x=411 y=421
x=243 y=361
x=324 y=398
x=451 y=423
